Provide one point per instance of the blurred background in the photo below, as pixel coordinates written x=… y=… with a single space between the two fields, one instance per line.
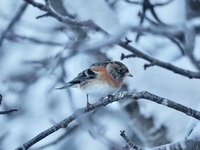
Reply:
x=39 y=53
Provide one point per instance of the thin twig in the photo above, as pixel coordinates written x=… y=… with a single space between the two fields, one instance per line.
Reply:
x=104 y=102
x=176 y=40
x=126 y=56
x=66 y=20
x=41 y=16
x=7 y=111
x=129 y=142
x=1 y=98
x=162 y=4
x=14 y=36
x=134 y=2
x=67 y=132
x=13 y=22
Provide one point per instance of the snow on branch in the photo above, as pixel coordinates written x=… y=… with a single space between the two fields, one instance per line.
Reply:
x=118 y=96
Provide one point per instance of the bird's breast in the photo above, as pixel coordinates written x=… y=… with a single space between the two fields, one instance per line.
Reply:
x=98 y=88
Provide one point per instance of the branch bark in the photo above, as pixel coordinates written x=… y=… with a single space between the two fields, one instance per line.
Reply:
x=104 y=102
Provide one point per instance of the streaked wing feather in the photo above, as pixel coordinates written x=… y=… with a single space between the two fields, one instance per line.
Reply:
x=84 y=75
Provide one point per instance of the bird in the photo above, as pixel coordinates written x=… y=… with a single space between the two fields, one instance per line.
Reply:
x=101 y=79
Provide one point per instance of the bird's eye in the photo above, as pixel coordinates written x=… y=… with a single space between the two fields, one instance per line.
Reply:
x=120 y=71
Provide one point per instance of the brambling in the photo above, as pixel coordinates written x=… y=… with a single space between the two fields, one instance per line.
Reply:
x=100 y=79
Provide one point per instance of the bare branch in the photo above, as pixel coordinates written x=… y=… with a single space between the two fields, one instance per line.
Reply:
x=168 y=66
x=134 y=2
x=148 y=65
x=129 y=142
x=7 y=111
x=14 y=36
x=1 y=98
x=54 y=14
x=13 y=22
x=41 y=16
x=108 y=40
x=65 y=19
x=163 y=4
x=59 y=139
x=104 y=102
x=156 y=4
x=47 y=3
x=168 y=31
x=126 y=56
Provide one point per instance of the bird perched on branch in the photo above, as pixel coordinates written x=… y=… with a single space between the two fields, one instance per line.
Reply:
x=100 y=79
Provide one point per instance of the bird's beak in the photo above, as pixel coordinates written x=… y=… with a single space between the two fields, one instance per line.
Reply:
x=128 y=74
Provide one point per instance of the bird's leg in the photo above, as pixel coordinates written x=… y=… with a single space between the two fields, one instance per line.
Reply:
x=88 y=104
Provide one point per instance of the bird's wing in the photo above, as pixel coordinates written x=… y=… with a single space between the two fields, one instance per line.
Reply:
x=83 y=76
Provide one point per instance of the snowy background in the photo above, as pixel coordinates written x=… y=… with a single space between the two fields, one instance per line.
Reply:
x=30 y=72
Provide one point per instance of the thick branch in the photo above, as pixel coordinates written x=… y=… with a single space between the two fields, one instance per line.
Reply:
x=106 y=101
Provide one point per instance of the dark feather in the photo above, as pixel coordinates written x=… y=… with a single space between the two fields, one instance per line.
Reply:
x=83 y=76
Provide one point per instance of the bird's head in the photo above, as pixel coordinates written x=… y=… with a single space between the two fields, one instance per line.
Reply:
x=118 y=70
